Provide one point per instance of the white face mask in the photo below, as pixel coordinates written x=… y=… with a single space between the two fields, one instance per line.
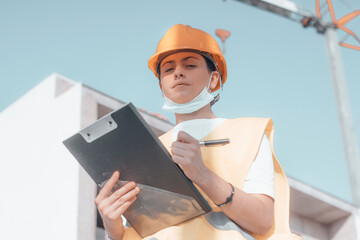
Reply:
x=197 y=103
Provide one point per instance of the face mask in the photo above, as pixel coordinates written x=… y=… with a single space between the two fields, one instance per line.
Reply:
x=197 y=103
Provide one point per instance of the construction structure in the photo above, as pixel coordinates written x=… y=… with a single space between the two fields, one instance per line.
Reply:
x=47 y=195
x=291 y=11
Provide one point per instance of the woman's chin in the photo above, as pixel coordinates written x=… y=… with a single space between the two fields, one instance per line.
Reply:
x=181 y=97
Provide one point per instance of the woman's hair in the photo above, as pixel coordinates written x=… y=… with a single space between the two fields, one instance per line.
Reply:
x=210 y=64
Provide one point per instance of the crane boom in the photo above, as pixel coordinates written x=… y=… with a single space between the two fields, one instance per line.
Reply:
x=291 y=11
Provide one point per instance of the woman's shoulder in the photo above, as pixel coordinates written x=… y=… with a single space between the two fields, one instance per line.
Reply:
x=249 y=120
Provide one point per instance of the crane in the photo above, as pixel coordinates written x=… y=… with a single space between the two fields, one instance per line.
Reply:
x=291 y=11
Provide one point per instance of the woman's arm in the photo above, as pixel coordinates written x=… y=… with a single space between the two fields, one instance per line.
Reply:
x=254 y=212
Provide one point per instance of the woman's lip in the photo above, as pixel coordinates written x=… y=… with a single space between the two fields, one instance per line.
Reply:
x=180 y=84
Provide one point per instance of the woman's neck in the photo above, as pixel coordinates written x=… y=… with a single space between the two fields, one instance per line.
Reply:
x=204 y=112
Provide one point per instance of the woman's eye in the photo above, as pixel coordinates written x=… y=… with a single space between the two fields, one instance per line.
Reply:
x=190 y=66
x=169 y=69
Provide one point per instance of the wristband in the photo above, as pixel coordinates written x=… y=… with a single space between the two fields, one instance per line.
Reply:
x=229 y=198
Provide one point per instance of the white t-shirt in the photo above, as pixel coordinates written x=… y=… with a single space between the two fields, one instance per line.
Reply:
x=260 y=178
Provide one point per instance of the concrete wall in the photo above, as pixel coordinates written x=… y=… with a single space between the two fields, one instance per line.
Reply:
x=38 y=177
x=317 y=215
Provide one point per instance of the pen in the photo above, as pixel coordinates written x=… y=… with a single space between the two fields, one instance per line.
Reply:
x=214 y=142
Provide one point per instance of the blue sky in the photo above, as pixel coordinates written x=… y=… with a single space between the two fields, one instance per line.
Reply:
x=276 y=68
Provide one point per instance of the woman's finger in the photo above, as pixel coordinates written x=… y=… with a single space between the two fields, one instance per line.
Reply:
x=120 y=210
x=109 y=185
x=125 y=198
x=179 y=160
x=180 y=145
x=185 y=137
x=109 y=204
x=121 y=191
x=179 y=152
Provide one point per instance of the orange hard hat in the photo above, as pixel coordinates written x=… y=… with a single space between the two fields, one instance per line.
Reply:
x=185 y=38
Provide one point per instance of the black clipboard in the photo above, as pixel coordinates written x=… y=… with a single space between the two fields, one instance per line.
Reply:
x=122 y=140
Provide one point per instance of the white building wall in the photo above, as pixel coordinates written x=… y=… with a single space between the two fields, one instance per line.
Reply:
x=38 y=176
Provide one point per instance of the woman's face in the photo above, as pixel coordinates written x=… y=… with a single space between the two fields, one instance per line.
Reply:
x=184 y=75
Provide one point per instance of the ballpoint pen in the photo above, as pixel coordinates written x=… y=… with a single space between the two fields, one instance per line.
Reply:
x=211 y=143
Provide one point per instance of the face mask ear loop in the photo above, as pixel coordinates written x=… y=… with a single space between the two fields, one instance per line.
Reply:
x=217 y=97
x=162 y=92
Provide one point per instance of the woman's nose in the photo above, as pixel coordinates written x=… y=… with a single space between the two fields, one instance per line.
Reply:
x=178 y=73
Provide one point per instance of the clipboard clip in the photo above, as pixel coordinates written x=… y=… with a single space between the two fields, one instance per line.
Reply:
x=105 y=125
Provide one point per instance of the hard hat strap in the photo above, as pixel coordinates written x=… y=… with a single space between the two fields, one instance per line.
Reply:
x=216 y=98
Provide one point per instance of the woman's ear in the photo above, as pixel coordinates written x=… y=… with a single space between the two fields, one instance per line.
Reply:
x=215 y=78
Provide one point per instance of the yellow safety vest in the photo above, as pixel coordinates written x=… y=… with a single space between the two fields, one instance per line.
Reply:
x=231 y=162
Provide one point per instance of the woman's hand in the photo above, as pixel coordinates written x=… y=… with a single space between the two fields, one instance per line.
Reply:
x=186 y=152
x=254 y=212
x=112 y=206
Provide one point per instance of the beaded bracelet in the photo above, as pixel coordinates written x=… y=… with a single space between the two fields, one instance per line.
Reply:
x=229 y=198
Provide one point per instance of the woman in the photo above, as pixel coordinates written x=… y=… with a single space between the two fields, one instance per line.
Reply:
x=236 y=179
